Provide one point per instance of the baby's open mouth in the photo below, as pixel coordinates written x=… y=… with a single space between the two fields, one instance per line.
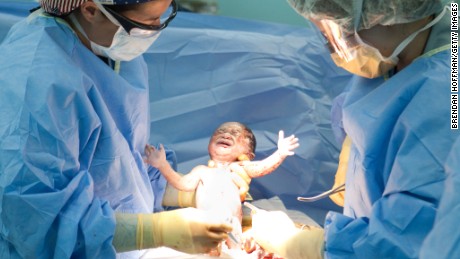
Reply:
x=224 y=142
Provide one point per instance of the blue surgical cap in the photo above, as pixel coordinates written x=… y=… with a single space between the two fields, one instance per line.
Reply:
x=353 y=15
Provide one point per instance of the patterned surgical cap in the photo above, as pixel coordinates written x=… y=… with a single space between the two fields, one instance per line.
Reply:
x=62 y=7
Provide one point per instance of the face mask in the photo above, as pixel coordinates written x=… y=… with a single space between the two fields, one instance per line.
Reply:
x=124 y=47
x=366 y=61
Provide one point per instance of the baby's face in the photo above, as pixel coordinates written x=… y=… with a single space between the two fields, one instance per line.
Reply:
x=228 y=142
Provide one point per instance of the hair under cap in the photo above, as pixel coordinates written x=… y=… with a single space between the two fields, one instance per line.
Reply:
x=62 y=7
x=353 y=15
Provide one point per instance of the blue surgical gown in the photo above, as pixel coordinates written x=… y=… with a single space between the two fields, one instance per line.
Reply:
x=443 y=240
x=72 y=134
x=401 y=135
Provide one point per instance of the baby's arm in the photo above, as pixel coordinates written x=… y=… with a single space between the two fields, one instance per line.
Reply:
x=269 y=164
x=157 y=158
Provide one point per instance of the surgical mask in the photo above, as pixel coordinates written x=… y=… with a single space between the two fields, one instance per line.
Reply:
x=367 y=61
x=124 y=47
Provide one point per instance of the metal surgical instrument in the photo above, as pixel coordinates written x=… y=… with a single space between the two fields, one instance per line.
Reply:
x=325 y=194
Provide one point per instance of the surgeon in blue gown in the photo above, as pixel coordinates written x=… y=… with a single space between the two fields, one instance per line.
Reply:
x=395 y=115
x=74 y=122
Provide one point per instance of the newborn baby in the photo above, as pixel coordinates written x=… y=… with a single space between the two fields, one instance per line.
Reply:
x=232 y=143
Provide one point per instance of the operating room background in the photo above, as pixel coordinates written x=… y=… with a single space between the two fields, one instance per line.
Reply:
x=206 y=69
x=262 y=10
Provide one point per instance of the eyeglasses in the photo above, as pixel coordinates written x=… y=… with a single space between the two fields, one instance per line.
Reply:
x=336 y=38
x=133 y=27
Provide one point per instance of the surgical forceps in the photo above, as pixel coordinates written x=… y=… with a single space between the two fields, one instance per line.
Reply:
x=325 y=194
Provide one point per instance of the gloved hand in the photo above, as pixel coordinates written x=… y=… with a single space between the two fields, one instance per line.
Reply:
x=276 y=233
x=187 y=230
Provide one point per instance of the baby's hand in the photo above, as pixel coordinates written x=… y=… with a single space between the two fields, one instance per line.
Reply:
x=155 y=157
x=287 y=145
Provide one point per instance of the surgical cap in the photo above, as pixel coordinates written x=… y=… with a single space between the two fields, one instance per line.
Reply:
x=62 y=7
x=353 y=15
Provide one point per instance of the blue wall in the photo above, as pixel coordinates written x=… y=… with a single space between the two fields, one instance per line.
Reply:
x=266 y=10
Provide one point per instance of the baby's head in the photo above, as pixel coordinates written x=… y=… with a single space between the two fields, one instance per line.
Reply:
x=232 y=141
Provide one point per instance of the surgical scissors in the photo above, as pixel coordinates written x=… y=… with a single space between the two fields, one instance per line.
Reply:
x=325 y=194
